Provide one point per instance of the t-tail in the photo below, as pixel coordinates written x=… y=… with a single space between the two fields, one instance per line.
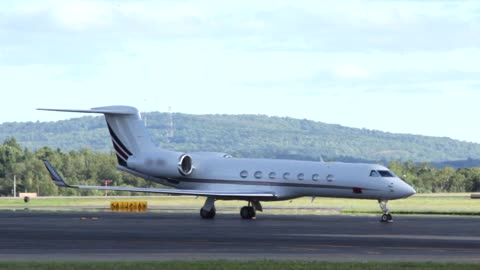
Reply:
x=127 y=130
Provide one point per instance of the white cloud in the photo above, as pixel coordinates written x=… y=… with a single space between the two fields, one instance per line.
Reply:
x=82 y=15
x=393 y=26
x=160 y=11
x=350 y=71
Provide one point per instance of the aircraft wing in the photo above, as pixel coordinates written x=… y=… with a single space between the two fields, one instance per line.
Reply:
x=58 y=180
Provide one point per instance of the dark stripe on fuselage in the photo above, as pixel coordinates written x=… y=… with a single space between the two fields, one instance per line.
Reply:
x=264 y=183
x=117 y=140
x=121 y=161
x=119 y=151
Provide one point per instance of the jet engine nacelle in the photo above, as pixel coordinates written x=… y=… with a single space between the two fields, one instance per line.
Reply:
x=162 y=164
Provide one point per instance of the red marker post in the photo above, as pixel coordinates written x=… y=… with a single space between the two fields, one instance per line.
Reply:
x=106 y=182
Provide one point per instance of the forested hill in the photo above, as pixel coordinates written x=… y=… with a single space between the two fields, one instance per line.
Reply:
x=249 y=136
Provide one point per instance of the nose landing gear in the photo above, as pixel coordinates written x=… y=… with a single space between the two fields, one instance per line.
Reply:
x=386 y=217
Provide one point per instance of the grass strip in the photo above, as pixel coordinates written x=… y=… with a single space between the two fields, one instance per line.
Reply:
x=412 y=212
x=438 y=204
x=240 y=265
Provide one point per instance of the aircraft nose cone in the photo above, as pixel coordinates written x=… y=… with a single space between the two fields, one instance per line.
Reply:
x=408 y=190
x=412 y=191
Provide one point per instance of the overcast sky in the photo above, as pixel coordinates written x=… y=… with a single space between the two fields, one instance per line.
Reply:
x=397 y=66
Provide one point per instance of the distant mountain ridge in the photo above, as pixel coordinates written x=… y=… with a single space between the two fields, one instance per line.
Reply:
x=249 y=136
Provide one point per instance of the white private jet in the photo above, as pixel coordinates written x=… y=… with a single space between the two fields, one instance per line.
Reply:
x=218 y=176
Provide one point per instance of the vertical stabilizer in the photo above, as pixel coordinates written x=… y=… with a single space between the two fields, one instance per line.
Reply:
x=128 y=132
x=126 y=128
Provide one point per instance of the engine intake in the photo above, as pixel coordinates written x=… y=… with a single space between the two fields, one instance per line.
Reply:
x=185 y=166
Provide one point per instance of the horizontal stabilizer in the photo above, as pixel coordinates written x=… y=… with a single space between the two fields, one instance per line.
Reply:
x=126 y=110
x=58 y=180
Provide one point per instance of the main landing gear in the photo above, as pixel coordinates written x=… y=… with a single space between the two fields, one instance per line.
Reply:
x=250 y=211
x=386 y=217
x=208 y=214
x=208 y=210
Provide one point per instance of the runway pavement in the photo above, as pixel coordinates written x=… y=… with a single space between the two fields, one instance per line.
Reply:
x=40 y=235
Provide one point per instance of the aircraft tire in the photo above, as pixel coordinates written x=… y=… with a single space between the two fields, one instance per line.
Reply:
x=247 y=212
x=244 y=212
x=251 y=212
x=386 y=218
x=208 y=214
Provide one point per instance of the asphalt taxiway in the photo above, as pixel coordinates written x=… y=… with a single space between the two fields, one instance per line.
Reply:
x=107 y=236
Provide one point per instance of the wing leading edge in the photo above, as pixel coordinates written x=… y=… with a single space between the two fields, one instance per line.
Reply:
x=58 y=180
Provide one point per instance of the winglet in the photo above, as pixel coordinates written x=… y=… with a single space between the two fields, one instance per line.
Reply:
x=57 y=179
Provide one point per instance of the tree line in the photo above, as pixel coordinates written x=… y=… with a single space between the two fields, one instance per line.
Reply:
x=88 y=167
x=84 y=167
x=248 y=136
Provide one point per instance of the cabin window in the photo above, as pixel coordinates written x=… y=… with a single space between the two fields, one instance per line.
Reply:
x=244 y=174
x=286 y=175
x=258 y=174
x=301 y=176
x=374 y=174
x=386 y=173
x=272 y=175
x=330 y=178
x=315 y=177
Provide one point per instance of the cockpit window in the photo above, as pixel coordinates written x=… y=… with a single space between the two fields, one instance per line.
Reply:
x=386 y=174
x=374 y=174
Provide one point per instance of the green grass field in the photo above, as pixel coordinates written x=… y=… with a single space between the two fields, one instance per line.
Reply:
x=234 y=265
x=457 y=204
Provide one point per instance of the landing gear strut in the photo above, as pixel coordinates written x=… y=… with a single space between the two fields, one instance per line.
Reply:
x=386 y=217
x=250 y=211
x=208 y=210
